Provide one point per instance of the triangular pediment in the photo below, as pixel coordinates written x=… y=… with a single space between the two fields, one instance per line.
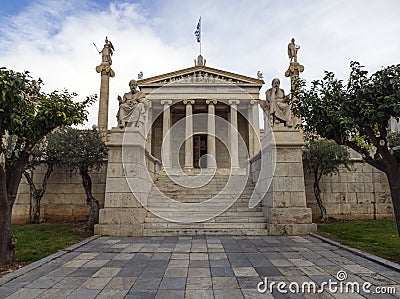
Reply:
x=200 y=75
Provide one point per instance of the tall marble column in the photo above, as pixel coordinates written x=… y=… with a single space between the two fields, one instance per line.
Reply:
x=211 y=151
x=189 y=135
x=106 y=72
x=166 y=143
x=254 y=130
x=234 y=146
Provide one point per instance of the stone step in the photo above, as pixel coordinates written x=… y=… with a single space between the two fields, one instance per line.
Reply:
x=158 y=194
x=172 y=206
x=162 y=178
x=156 y=202
x=198 y=212
x=203 y=225
x=229 y=213
x=212 y=200
x=195 y=172
x=208 y=190
x=203 y=191
x=189 y=216
x=165 y=196
x=180 y=182
x=238 y=219
x=207 y=181
x=223 y=219
x=209 y=232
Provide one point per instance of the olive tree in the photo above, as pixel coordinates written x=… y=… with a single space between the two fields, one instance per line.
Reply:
x=82 y=151
x=324 y=157
x=26 y=114
x=356 y=114
x=39 y=158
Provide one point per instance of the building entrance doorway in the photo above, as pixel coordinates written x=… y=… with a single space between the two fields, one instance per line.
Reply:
x=200 y=151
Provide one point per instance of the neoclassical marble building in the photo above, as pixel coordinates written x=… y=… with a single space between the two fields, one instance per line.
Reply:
x=198 y=165
x=190 y=159
x=204 y=102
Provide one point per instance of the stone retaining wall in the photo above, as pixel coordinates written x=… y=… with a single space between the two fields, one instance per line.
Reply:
x=356 y=194
x=348 y=195
x=65 y=198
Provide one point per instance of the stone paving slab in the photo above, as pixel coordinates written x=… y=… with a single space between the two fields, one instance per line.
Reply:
x=201 y=267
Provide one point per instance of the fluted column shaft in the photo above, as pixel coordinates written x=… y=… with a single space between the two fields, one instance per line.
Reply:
x=211 y=149
x=189 y=134
x=254 y=140
x=234 y=146
x=166 y=144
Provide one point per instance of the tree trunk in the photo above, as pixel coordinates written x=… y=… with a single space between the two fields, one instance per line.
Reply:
x=35 y=208
x=7 y=241
x=393 y=175
x=37 y=194
x=9 y=182
x=90 y=200
x=317 y=193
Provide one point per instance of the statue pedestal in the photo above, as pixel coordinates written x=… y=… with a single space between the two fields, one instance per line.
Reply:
x=127 y=186
x=284 y=204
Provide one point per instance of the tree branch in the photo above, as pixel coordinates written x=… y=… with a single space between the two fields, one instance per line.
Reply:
x=30 y=182
x=366 y=156
x=46 y=176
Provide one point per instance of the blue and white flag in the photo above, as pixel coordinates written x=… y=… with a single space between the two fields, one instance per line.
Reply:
x=198 y=31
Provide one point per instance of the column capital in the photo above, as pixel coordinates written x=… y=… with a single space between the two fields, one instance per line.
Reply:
x=214 y=102
x=105 y=69
x=191 y=102
x=294 y=69
x=233 y=102
x=253 y=102
x=166 y=102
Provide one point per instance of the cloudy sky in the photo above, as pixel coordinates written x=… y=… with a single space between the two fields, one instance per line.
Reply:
x=54 y=39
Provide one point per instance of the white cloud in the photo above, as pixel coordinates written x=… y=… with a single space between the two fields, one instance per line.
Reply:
x=54 y=39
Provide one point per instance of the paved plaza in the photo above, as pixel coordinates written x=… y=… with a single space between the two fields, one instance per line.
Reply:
x=196 y=267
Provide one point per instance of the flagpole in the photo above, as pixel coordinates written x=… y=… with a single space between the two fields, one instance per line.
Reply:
x=198 y=33
x=200 y=36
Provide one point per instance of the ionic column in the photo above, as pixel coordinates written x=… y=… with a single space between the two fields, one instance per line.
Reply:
x=188 y=135
x=234 y=134
x=102 y=121
x=254 y=141
x=166 y=144
x=212 y=158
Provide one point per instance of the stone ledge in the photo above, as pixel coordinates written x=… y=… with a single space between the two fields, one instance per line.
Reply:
x=290 y=229
x=361 y=253
x=13 y=275
x=118 y=230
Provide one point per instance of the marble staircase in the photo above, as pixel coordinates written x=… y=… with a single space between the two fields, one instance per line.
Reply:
x=238 y=219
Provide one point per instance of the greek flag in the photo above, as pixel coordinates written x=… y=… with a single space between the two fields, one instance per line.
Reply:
x=198 y=31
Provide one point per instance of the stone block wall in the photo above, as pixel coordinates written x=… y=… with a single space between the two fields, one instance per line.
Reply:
x=356 y=194
x=128 y=170
x=352 y=194
x=284 y=200
x=65 y=198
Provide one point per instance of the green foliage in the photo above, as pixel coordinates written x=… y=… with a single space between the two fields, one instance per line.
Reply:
x=74 y=149
x=378 y=237
x=27 y=114
x=38 y=241
x=325 y=156
x=355 y=114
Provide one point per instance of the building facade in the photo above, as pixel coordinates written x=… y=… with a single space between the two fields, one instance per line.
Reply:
x=188 y=158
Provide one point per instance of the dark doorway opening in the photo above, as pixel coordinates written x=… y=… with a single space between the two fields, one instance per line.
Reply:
x=200 y=151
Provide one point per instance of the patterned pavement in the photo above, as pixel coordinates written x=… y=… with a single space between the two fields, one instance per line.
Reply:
x=202 y=267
